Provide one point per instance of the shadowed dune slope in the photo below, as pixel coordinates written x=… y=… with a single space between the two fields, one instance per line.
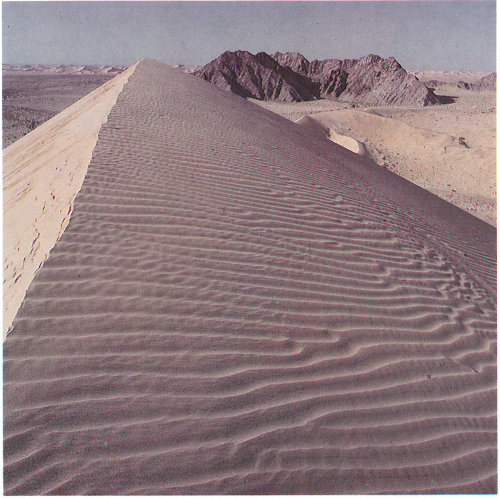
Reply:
x=238 y=306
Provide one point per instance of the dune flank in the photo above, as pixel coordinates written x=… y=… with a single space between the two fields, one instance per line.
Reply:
x=42 y=173
x=240 y=306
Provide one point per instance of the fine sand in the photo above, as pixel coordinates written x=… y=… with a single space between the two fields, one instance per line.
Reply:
x=238 y=305
x=325 y=127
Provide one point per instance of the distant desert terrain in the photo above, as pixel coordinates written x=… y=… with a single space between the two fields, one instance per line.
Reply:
x=451 y=77
x=33 y=94
x=232 y=303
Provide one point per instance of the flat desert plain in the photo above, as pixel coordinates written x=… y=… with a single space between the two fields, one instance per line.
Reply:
x=238 y=305
x=33 y=94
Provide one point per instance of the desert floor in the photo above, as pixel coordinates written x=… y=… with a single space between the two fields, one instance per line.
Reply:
x=448 y=149
x=28 y=100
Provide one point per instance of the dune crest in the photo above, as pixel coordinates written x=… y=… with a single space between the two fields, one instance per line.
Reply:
x=42 y=173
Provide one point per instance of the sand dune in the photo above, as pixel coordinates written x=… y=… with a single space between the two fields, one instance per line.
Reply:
x=239 y=306
x=458 y=169
x=328 y=129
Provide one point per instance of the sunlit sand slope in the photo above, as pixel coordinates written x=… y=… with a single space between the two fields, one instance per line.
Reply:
x=237 y=306
x=42 y=173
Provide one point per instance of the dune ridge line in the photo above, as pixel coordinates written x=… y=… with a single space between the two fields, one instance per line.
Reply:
x=42 y=174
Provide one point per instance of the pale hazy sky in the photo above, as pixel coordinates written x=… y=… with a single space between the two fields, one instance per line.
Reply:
x=421 y=35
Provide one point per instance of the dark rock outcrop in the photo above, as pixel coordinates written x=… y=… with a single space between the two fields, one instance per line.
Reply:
x=257 y=76
x=464 y=85
x=329 y=76
x=487 y=82
x=368 y=80
x=290 y=77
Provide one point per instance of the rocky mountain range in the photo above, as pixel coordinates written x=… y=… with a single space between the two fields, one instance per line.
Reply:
x=62 y=69
x=290 y=77
x=258 y=76
x=489 y=82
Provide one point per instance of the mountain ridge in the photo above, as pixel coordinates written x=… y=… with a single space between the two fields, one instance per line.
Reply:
x=369 y=80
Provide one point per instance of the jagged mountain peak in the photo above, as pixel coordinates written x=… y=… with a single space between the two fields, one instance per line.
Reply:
x=258 y=76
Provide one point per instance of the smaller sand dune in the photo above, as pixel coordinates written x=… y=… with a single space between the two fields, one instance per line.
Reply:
x=332 y=134
x=459 y=171
x=43 y=172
